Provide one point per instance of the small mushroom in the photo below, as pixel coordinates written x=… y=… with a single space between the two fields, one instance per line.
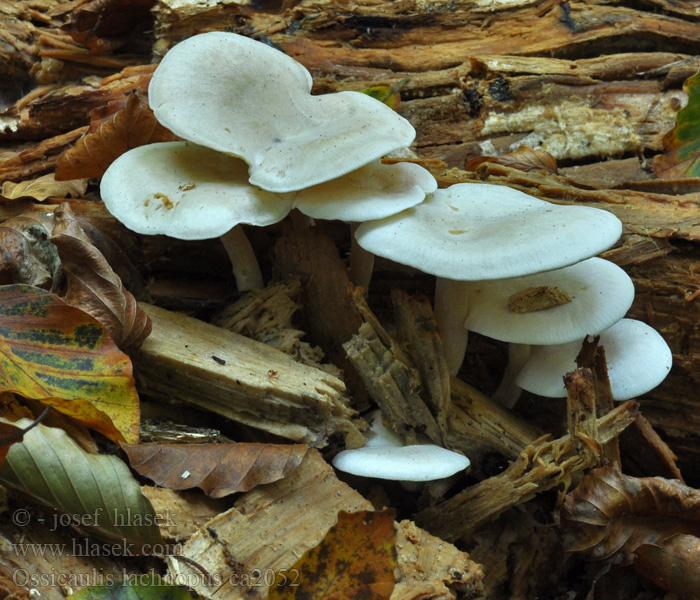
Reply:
x=245 y=98
x=473 y=232
x=638 y=360
x=385 y=457
x=554 y=307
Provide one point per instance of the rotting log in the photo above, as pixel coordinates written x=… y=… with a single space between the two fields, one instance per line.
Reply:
x=190 y=361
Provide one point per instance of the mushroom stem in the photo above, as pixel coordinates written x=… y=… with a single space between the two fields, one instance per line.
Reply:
x=361 y=261
x=508 y=392
x=450 y=313
x=245 y=266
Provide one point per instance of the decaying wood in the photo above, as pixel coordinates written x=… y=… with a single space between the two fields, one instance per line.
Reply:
x=183 y=512
x=270 y=527
x=389 y=377
x=646 y=454
x=190 y=361
x=330 y=316
x=480 y=427
x=265 y=315
x=417 y=331
x=543 y=465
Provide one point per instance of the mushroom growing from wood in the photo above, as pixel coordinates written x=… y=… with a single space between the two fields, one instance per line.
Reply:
x=475 y=232
x=638 y=360
x=553 y=307
x=385 y=456
x=259 y=145
x=245 y=98
x=191 y=192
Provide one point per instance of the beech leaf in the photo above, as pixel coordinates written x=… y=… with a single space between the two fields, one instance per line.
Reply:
x=611 y=516
x=132 y=126
x=49 y=349
x=44 y=187
x=135 y=587
x=681 y=156
x=355 y=561
x=94 y=287
x=218 y=469
x=523 y=159
x=97 y=491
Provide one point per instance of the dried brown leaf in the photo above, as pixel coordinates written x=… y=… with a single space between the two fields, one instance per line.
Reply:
x=618 y=517
x=524 y=159
x=134 y=125
x=218 y=469
x=673 y=565
x=44 y=187
x=26 y=254
x=94 y=287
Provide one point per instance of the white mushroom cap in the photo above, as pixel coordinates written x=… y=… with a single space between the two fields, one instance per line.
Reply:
x=601 y=293
x=638 y=360
x=372 y=192
x=475 y=231
x=186 y=191
x=409 y=463
x=245 y=98
x=191 y=192
x=385 y=457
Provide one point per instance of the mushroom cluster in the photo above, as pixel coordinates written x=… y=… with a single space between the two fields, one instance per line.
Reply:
x=258 y=144
x=514 y=268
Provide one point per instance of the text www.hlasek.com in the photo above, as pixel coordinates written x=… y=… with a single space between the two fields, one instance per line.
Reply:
x=85 y=547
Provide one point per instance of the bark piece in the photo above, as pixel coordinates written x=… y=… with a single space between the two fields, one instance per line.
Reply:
x=417 y=331
x=197 y=363
x=480 y=427
x=271 y=527
x=543 y=465
x=389 y=377
x=182 y=514
x=329 y=315
x=265 y=315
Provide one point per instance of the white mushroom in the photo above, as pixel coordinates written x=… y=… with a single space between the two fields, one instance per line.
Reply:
x=385 y=457
x=245 y=98
x=554 y=307
x=472 y=232
x=191 y=192
x=638 y=360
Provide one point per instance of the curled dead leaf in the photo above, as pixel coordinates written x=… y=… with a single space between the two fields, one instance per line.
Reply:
x=94 y=287
x=651 y=522
x=524 y=159
x=132 y=126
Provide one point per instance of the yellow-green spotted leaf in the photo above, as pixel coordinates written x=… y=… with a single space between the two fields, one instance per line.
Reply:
x=355 y=561
x=96 y=492
x=49 y=349
x=681 y=158
x=135 y=587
